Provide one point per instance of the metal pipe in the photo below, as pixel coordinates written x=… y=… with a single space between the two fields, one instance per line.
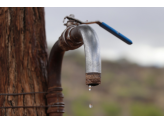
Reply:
x=72 y=38
x=92 y=53
x=54 y=83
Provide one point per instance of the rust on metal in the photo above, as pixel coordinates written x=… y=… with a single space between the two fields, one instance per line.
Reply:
x=93 y=79
x=64 y=43
x=56 y=97
x=68 y=42
x=54 y=89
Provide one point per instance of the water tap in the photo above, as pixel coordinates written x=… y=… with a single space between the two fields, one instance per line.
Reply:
x=72 y=19
x=91 y=46
x=74 y=36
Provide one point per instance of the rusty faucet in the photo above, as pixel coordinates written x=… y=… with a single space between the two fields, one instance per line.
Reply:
x=75 y=35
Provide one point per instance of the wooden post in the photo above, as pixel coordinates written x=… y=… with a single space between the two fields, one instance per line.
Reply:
x=23 y=60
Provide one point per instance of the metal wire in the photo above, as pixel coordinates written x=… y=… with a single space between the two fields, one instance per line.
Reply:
x=33 y=106
x=15 y=94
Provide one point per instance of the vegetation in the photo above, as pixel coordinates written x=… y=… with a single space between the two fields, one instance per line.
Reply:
x=126 y=89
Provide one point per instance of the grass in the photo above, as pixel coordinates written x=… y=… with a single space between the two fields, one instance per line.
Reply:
x=111 y=109
x=136 y=86
x=80 y=106
x=139 y=109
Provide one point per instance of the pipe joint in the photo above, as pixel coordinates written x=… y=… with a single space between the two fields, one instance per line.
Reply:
x=69 y=42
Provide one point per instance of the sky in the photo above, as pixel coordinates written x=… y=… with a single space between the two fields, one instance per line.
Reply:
x=143 y=25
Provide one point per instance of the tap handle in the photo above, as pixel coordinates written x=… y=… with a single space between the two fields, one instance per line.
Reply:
x=103 y=25
x=115 y=33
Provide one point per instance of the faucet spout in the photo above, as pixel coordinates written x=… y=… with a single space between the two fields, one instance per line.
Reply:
x=92 y=53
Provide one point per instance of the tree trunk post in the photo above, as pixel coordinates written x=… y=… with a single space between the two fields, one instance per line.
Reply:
x=23 y=60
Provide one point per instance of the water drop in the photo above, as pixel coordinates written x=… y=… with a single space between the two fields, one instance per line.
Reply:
x=90 y=87
x=90 y=106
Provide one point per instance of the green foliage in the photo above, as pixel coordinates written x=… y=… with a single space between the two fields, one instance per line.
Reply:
x=65 y=114
x=108 y=77
x=65 y=91
x=139 y=109
x=151 y=80
x=111 y=109
x=77 y=58
x=123 y=82
x=80 y=107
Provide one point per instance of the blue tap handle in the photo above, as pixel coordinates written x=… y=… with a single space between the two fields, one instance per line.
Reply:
x=116 y=33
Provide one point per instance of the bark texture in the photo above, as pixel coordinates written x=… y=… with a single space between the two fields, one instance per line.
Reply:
x=23 y=60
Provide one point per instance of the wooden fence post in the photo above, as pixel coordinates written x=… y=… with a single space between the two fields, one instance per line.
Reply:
x=23 y=60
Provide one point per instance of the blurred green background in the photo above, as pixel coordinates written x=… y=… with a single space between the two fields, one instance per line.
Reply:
x=126 y=89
